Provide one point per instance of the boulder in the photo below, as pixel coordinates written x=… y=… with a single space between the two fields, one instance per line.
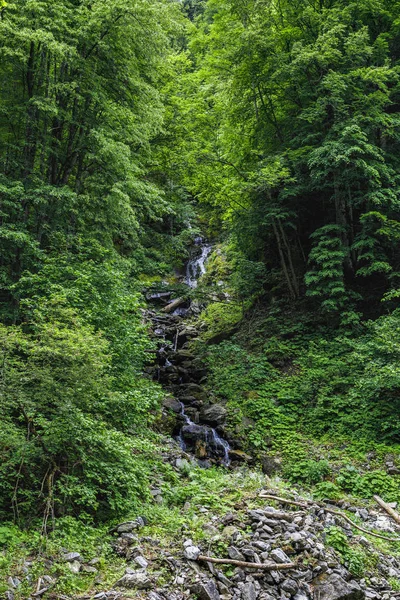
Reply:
x=334 y=587
x=213 y=415
x=172 y=404
x=270 y=464
x=240 y=456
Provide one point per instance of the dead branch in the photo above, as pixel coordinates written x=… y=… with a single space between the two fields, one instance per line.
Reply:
x=248 y=565
x=172 y=305
x=332 y=512
x=388 y=509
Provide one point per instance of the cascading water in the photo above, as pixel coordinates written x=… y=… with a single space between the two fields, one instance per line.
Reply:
x=200 y=439
x=196 y=266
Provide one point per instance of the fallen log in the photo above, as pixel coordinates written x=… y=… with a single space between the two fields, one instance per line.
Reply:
x=387 y=509
x=173 y=305
x=332 y=512
x=248 y=565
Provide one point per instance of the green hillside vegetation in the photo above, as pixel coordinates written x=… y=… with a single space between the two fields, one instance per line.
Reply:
x=127 y=128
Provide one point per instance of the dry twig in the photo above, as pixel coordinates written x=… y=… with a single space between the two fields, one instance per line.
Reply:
x=332 y=512
x=242 y=563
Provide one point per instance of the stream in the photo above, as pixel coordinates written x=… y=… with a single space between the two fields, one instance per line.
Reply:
x=198 y=419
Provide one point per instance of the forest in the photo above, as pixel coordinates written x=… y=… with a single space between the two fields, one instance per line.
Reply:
x=199 y=287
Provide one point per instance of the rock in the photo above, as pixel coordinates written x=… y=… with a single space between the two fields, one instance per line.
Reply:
x=290 y=586
x=270 y=464
x=89 y=569
x=213 y=415
x=234 y=553
x=191 y=552
x=205 y=591
x=141 y=561
x=172 y=404
x=74 y=566
x=138 y=580
x=383 y=523
x=334 y=587
x=240 y=456
x=249 y=591
x=130 y=526
x=130 y=538
x=229 y=531
x=279 y=556
x=71 y=557
x=182 y=464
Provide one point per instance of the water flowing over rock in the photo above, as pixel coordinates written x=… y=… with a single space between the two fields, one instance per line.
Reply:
x=196 y=265
x=198 y=420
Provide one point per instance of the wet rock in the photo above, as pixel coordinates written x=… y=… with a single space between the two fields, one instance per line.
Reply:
x=213 y=415
x=334 y=587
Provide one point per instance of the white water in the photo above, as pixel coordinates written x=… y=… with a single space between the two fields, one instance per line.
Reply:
x=196 y=265
x=217 y=448
x=213 y=441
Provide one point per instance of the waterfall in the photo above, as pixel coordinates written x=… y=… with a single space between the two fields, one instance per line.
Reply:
x=203 y=440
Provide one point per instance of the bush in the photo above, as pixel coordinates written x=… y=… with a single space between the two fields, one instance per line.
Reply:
x=354 y=559
x=308 y=471
x=61 y=451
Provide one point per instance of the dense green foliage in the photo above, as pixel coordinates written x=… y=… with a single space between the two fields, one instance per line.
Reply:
x=293 y=113
x=80 y=107
x=125 y=129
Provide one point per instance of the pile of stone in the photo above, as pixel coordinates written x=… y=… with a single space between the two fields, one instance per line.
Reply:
x=264 y=536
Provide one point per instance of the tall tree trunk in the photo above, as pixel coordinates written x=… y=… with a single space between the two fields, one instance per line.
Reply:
x=283 y=262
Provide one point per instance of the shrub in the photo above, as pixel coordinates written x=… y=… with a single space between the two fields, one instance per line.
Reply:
x=354 y=559
x=61 y=452
x=308 y=471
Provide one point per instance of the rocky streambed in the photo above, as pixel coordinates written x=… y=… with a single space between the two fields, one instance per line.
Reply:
x=191 y=414
x=289 y=542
